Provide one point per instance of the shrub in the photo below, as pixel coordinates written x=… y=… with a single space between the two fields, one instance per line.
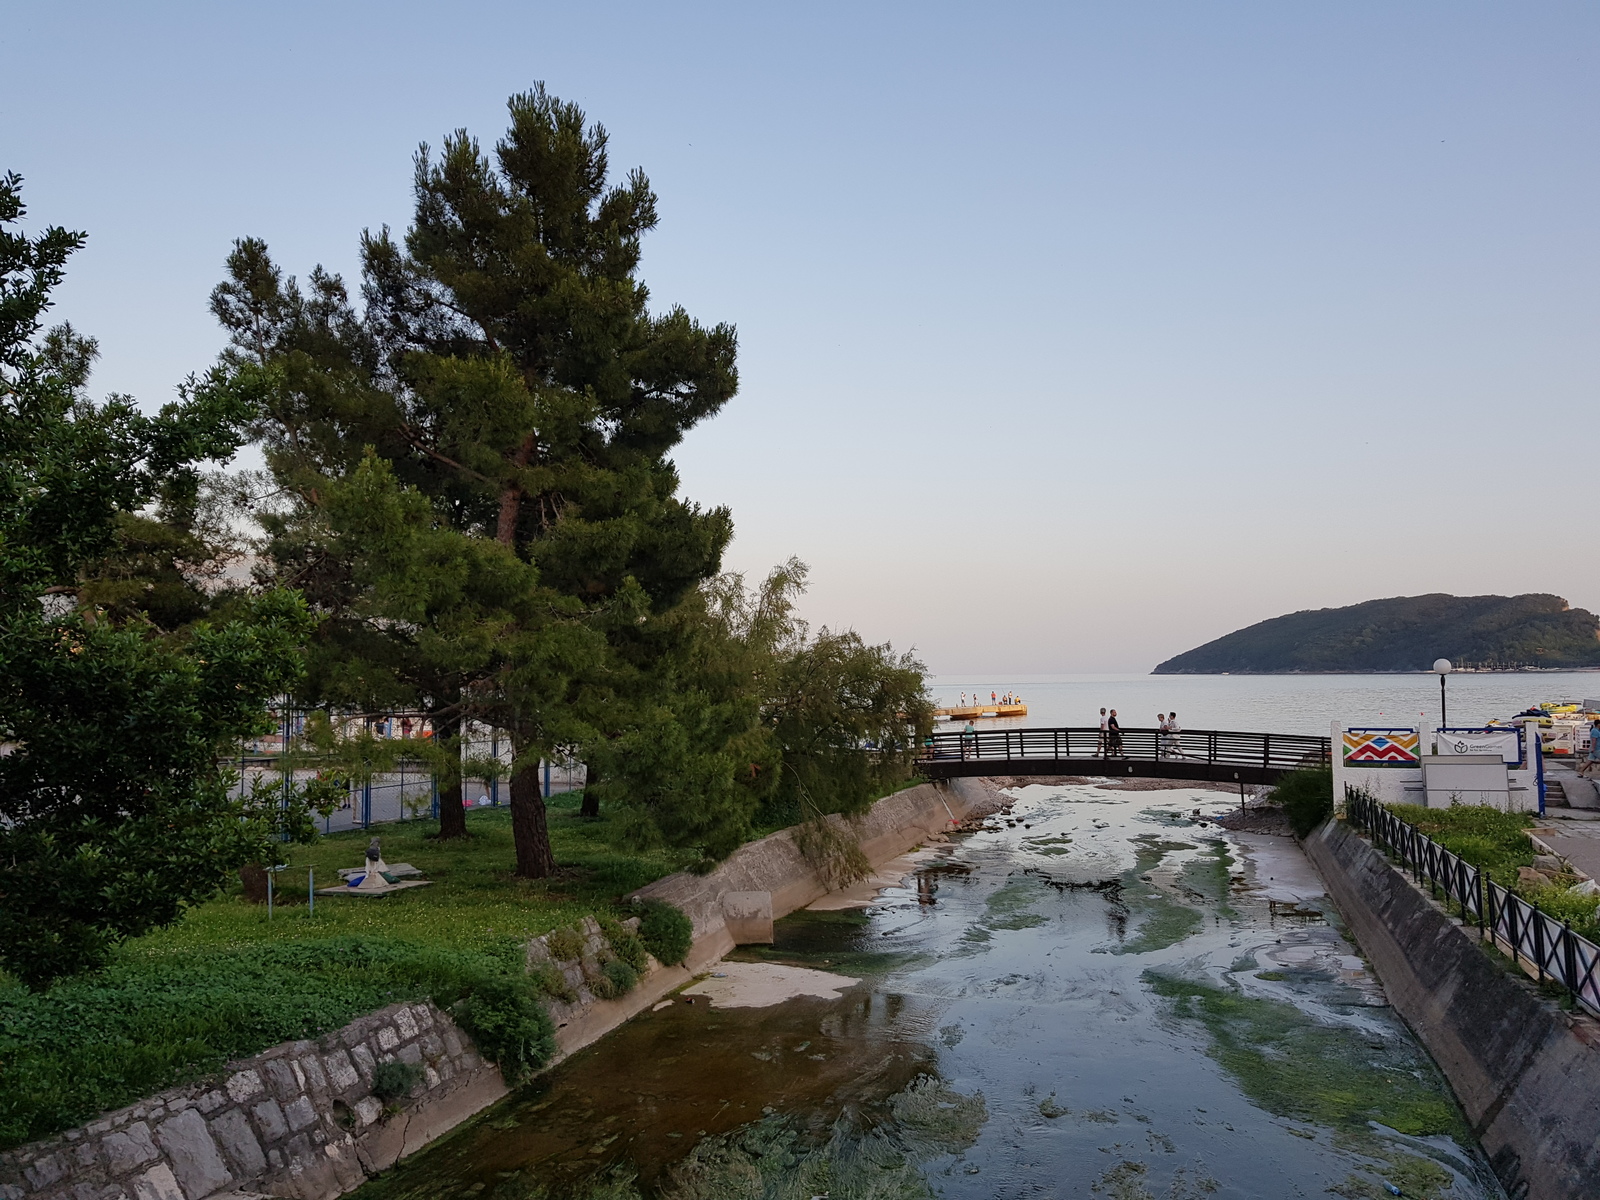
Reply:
x=393 y=1079
x=626 y=945
x=565 y=944
x=616 y=979
x=549 y=979
x=509 y=1025
x=1307 y=798
x=666 y=932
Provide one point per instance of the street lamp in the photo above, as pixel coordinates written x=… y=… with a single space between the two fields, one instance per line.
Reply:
x=1441 y=668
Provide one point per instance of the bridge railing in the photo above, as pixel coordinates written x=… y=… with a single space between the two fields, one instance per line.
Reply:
x=1541 y=945
x=1215 y=747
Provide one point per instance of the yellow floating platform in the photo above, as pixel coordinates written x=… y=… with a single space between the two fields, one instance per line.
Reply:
x=977 y=712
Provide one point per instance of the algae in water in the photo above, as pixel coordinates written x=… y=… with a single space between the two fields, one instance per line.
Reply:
x=1292 y=1066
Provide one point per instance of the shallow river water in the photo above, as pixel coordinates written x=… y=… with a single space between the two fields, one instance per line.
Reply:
x=1097 y=996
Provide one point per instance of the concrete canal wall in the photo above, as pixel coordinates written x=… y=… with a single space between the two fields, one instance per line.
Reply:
x=1527 y=1073
x=300 y=1120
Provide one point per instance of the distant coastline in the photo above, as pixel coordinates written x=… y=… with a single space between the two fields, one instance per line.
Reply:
x=1404 y=635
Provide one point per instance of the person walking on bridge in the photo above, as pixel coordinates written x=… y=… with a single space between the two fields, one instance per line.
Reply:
x=1161 y=736
x=1113 y=735
x=1104 y=743
x=1174 y=742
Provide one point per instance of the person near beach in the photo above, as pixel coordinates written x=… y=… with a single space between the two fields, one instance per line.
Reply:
x=969 y=737
x=1161 y=737
x=1174 y=742
x=1113 y=735
x=1593 y=764
x=1100 y=746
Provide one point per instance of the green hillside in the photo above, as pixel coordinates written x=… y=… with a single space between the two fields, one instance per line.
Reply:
x=1405 y=633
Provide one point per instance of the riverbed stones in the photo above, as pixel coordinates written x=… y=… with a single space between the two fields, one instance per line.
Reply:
x=289 y=1122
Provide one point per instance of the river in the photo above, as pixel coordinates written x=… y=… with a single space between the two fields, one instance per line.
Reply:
x=1269 y=703
x=1100 y=995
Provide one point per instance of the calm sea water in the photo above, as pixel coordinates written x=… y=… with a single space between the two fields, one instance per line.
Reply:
x=1269 y=703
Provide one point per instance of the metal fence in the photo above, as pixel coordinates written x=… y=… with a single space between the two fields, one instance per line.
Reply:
x=1542 y=945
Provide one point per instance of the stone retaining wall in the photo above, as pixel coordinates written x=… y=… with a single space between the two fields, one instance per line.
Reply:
x=297 y=1121
x=1527 y=1074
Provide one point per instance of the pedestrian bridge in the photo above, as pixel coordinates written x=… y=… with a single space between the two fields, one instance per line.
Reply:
x=1210 y=754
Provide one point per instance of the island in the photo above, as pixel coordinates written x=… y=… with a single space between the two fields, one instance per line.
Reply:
x=1405 y=633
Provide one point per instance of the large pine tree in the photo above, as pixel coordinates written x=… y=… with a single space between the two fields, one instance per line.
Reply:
x=505 y=366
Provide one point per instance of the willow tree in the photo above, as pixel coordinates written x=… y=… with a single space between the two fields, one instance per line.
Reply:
x=508 y=368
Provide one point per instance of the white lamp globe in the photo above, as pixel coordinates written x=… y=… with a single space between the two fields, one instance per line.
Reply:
x=1441 y=666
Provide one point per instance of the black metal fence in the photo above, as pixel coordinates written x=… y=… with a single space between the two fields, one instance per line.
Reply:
x=1214 y=747
x=1542 y=945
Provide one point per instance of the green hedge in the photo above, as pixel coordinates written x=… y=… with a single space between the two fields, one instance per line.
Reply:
x=99 y=1043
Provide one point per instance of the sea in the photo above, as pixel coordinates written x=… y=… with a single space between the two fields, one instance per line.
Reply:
x=1307 y=704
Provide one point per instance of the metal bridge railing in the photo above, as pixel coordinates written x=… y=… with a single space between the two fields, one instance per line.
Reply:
x=1543 y=946
x=1215 y=747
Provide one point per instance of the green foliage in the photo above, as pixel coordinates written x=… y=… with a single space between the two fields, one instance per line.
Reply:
x=565 y=944
x=116 y=698
x=92 y=1044
x=1485 y=837
x=1307 y=798
x=1405 y=633
x=506 y=373
x=509 y=1026
x=1497 y=842
x=625 y=944
x=226 y=982
x=616 y=979
x=393 y=1079
x=832 y=851
x=666 y=932
x=550 y=981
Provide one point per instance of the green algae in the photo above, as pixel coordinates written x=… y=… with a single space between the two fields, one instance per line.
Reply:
x=1160 y=920
x=1292 y=1066
x=1010 y=905
x=840 y=940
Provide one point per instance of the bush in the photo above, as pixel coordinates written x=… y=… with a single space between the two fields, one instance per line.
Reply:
x=565 y=944
x=548 y=978
x=626 y=945
x=393 y=1079
x=509 y=1026
x=1307 y=798
x=666 y=932
x=616 y=979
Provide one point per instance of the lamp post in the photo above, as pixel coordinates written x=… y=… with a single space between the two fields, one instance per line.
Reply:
x=1441 y=668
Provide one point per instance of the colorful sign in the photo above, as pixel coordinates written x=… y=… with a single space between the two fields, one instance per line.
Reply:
x=1381 y=748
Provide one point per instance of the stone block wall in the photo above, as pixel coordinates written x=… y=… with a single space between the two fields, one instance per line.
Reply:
x=299 y=1120
x=580 y=973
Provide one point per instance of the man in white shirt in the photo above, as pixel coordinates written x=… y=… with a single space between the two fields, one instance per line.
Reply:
x=1100 y=750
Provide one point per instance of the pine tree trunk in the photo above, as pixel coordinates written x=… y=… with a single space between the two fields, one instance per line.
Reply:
x=529 y=829
x=452 y=812
x=591 y=798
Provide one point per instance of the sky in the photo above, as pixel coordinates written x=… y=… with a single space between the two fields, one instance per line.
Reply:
x=1071 y=336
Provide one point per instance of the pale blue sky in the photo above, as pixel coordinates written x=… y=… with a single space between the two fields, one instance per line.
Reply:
x=1071 y=336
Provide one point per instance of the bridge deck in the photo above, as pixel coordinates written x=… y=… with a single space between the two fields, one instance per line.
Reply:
x=1210 y=754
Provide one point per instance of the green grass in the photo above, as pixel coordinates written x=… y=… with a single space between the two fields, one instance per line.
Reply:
x=1497 y=842
x=227 y=982
x=1487 y=838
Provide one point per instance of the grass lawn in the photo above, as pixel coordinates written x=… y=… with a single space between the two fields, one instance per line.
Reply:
x=226 y=982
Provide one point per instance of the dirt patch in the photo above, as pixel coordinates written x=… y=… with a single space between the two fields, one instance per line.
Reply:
x=756 y=985
x=1263 y=818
